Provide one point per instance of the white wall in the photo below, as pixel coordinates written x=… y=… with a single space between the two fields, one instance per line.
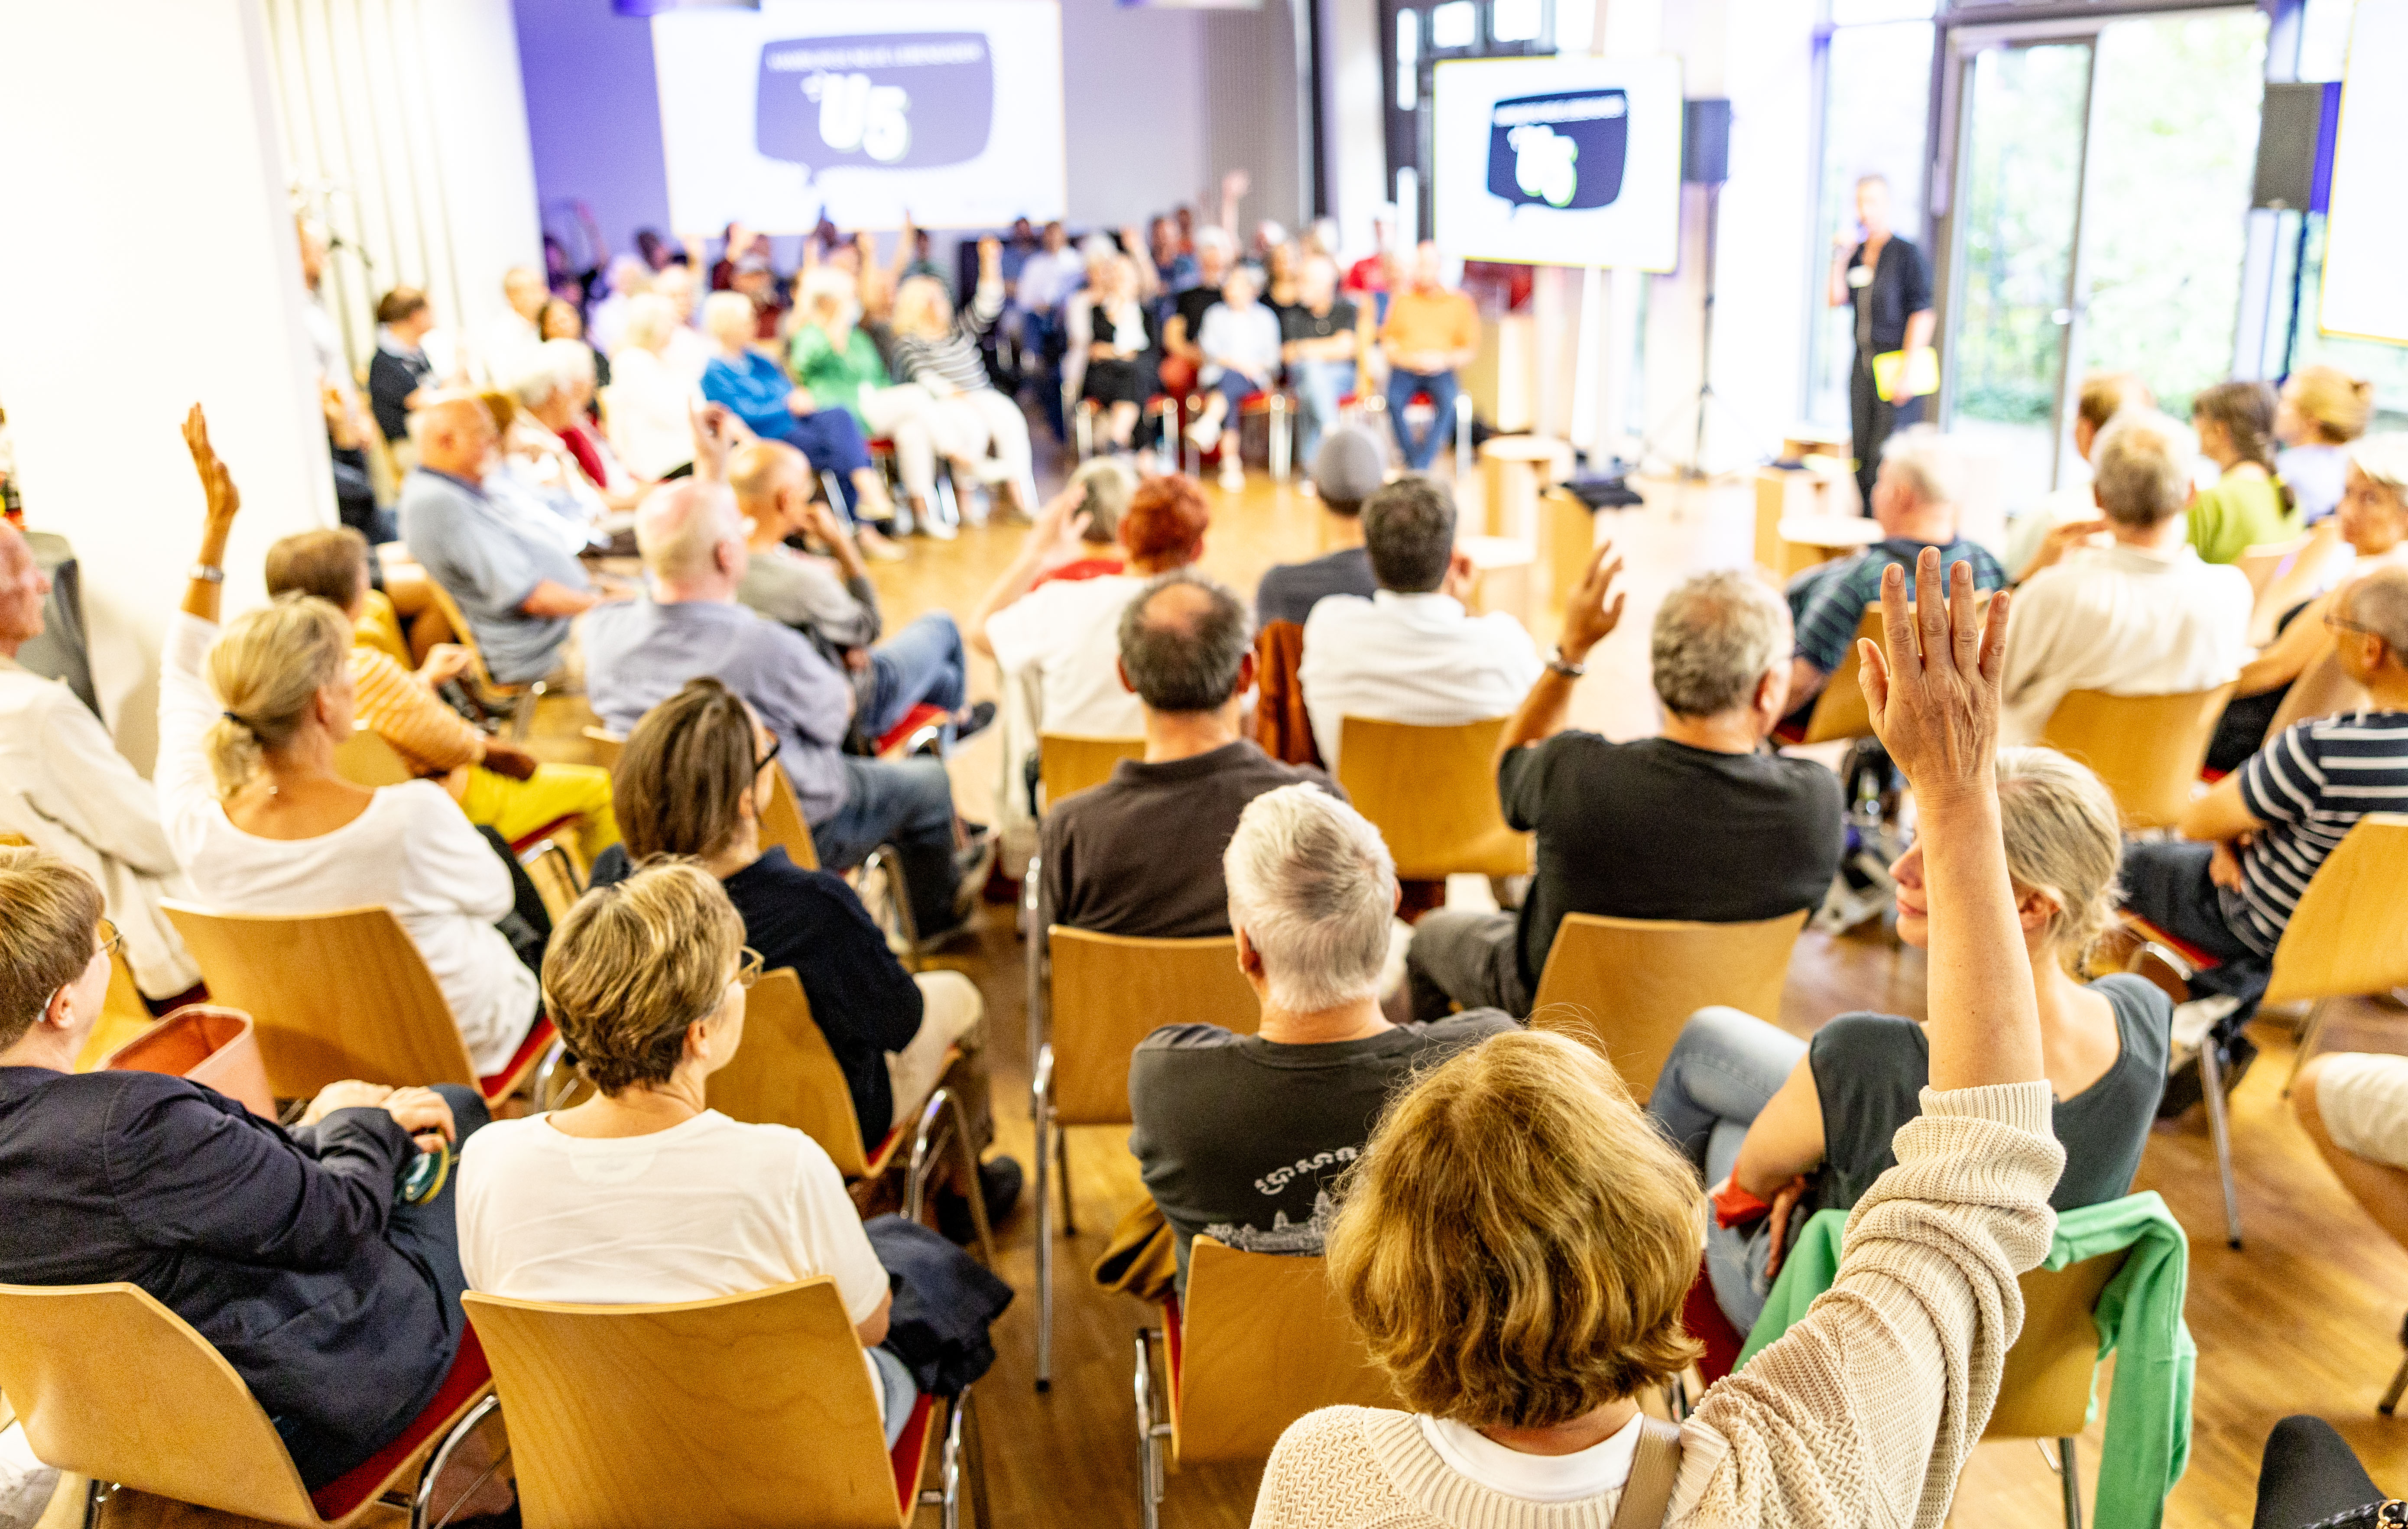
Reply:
x=153 y=265
x=1354 y=119
x=1133 y=110
x=404 y=125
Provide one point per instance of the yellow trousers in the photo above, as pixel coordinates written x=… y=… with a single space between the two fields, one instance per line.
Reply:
x=515 y=808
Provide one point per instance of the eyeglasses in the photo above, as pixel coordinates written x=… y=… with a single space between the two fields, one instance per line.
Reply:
x=2336 y=622
x=109 y=939
x=748 y=970
x=761 y=764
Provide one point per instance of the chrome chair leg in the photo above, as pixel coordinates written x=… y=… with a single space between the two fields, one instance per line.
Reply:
x=1282 y=443
x=1062 y=1170
x=1195 y=456
x=933 y=1116
x=2070 y=1473
x=2219 y=1127
x=903 y=930
x=1462 y=433
x=522 y=709
x=547 y=1073
x=2398 y=1384
x=2310 y=1034
x=1166 y=438
x=1043 y=1088
x=423 y=1500
x=1150 y=1468
x=96 y=1495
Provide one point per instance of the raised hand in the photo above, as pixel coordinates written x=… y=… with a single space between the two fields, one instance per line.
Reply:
x=1934 y=694
x=1587 y=619
x=217 y=483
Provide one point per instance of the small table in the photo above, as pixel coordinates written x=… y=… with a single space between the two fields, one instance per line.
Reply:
x=1501 y=575
x=1514 y=470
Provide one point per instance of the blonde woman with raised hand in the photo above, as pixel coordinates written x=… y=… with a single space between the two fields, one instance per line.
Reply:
x=1516 y=1240
x=249 y=722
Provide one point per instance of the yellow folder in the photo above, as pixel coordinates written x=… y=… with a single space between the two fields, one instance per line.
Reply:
x=1901 y=374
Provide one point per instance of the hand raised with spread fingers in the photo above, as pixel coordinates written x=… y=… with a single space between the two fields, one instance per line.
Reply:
x=1934 y=693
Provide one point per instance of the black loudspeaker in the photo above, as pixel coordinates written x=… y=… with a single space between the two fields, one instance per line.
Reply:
x=2293 y=144
x=1705 y=142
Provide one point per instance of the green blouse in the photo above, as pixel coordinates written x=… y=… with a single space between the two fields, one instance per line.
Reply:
x=2237 y=514
x=836 y=376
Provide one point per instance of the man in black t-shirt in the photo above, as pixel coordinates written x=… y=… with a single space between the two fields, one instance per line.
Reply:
x=1322 y=350
x=1141 y=854
x=1215 y=251
x=1700 y=822
x=1239 y=1137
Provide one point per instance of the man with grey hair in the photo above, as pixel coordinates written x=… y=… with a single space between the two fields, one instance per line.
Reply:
x=1411 y=652
x=1242 y=1137
x=1914 y=499
x=2139 y=616
x=1701 y=821
x=639 y=655
x=1141 y=854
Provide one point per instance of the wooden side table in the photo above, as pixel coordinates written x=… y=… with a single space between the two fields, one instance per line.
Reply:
x=1514 y=470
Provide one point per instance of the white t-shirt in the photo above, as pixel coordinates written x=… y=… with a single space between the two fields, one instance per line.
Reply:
x=1602 y=1467
x=1410 y=657
x=710 y=1207
x=2128 y=621
x=411 y=852
x=1069 y=631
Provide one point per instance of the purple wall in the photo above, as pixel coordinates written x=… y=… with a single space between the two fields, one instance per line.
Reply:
x=593 y=118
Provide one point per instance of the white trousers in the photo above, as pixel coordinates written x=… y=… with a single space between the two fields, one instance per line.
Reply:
x=907 y=415
x=951 y=1012
x=984 y=421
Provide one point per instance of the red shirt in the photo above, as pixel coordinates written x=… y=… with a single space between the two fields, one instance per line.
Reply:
x=1369 y=274
x=580 y=444
x=1086 y=567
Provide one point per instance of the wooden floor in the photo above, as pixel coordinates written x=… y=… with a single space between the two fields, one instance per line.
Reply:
x=2305 y=1321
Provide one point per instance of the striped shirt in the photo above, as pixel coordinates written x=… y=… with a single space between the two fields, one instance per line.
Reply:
x=949 y=363
x=2311 y=786
x=1827 y=604
x=430 y=736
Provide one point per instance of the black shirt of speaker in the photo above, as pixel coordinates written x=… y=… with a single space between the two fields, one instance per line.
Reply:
x=1705 y=142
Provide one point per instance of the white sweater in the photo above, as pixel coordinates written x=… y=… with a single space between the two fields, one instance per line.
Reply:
x=1862 y=1413
x=411 y=852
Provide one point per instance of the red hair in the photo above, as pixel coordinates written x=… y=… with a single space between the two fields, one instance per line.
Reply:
x=1165 y=518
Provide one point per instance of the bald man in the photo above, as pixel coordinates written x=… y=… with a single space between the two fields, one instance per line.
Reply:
x=831 y=600
x=506 y=346
x=692 y=538
x=514 y=576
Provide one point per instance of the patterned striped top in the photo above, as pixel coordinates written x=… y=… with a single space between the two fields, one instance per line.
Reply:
x=430 y=736
x=1826 y=604
x=950 y=362
x=2311 y=785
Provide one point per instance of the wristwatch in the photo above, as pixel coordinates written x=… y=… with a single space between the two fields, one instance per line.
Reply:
x=208 y=573
x=1562 y=666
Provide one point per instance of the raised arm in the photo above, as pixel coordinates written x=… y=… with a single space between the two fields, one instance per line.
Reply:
x=1587 y=622
x=187 y=708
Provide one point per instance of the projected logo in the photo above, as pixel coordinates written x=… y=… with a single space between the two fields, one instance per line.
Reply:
x=906 y=101
x=1560 y=151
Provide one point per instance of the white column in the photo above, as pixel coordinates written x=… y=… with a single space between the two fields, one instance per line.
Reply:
x=151 y=264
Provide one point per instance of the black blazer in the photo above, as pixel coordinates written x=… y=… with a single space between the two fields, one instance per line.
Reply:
x=274 y=1244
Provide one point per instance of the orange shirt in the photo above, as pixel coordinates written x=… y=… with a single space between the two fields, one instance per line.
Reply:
x=429 y=736
x=1431 y=321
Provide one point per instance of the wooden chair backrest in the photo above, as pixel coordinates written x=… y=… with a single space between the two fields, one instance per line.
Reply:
x=1263 y=1342
x=784 y=1073
x=1067 y=763
x=782 y=822
x=123 y=1016
x=2045 y=1390
x=113 y=1385
x=2147 y=750
x=464 y=634
x=2308 y=567
x=335 y=995
x=752 y=1409
x=2348 y=937
x=606 y=746
x=365 y=759
x=2324 y=689
x=1111 y=992
x=1840 y=709
x=1432 y=793
x=1628 y=985
x=556 y=877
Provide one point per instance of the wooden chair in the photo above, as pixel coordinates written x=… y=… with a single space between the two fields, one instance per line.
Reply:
x=605 y=745
x=2044 y=1392
x=1068 y=763
x=1106 y=994
x=2348 y=938
x=113 y=1386
x=341 y=995
x=1258 y=1342
x=2146 y=749
x=1432 y=793
x=751 y=1410
x=2288 y=573
x=520 y=700
x=784 y=1073
x=552 y=863
x=365 y=759
x=1628 y=985
x=1840 y=708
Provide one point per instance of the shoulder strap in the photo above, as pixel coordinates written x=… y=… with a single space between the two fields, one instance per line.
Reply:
x=1653 y=1469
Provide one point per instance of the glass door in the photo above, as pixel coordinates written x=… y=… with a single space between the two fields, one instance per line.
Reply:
x=2100 y=222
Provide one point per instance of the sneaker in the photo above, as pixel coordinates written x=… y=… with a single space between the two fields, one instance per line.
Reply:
x=876 y=546
x=977 y=719
x=1233 y=477
x=999 y=1181
x=1206 y=433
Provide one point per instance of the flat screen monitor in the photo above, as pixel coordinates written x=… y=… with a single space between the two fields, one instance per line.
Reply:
x=948 y=109
x=1570 y=161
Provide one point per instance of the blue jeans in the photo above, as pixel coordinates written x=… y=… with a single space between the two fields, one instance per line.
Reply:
x=924 y=661
x=1320 y=384
x=833 y=442
x=2167 y=884
x=1237 y=387
x=910 y=805
x=1402 y=385
x=1723 y=1071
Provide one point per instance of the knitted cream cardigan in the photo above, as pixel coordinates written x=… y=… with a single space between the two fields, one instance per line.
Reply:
x=1862 y=1414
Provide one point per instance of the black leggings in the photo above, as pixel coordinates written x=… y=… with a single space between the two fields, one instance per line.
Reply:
x=2309 y=1475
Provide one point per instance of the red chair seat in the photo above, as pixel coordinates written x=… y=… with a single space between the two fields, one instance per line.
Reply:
x=881 y=445
x=494 y=1086
x=917 y=718
x=2200 y=960
x=1702 y=1315
x=469 y=1374
x=524 y=842
x=909 y=1455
